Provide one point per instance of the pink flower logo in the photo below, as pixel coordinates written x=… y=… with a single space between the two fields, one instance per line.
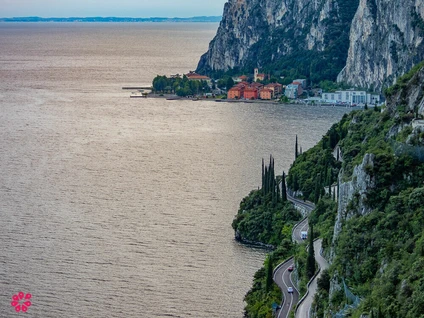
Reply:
x=21 y=297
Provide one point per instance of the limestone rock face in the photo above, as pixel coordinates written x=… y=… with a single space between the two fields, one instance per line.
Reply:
x=386 y=40
x=356 y=189
x=368 y=43
x=281 y=25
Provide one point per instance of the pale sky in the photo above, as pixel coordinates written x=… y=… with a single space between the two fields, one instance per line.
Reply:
x=117 y=8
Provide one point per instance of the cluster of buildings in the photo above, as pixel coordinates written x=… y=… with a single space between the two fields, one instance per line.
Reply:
x=255 y=90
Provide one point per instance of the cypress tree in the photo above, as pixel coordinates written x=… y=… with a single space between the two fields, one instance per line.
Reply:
x=310 y=261
x=283 y=188
x=263 y=173
x=296 y=152
x=278 y=193
x=269 y=273
x=266 y=181
x=317 y=192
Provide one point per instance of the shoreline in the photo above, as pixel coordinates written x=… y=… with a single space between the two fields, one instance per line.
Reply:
x=172 y=97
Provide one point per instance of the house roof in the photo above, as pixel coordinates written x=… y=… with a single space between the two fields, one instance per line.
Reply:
x=195 y=76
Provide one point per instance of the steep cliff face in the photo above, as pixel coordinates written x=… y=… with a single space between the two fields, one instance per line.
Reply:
x=355 y=191
x=274 y=33
x=366 y=43
x=386 y=40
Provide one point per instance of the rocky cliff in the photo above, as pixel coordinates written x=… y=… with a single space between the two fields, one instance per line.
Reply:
x=366 y=43
x=308 y=36
x=386 y=40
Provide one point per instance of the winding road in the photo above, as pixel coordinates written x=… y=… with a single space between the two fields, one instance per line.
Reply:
x=282 y=275
x=304 y=307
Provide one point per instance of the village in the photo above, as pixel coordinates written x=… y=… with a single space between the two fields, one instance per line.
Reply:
x=257 y=87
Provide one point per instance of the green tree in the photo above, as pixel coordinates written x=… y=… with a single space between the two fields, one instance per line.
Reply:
x=310 y=261
x=229 y=83
x=283 y=188
x=269 y=272
x=296 y=151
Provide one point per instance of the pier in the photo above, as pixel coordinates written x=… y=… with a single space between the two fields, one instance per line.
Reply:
x=137 y=87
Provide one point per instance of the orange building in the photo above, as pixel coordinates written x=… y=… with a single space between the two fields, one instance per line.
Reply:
x=235 y=93
x=266 y=93
x=275 y=87
x=250 y=93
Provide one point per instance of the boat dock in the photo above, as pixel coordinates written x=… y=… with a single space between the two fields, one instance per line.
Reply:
x=139 y=87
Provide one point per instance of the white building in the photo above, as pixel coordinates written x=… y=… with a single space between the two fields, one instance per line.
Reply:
x=291 y=91
x=351 y=97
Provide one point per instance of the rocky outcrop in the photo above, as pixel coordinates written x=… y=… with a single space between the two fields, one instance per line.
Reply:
x=408 y=93
x=353 y=195
x=257 y=33
x=386 y=40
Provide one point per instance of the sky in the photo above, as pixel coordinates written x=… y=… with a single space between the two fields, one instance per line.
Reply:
x=116 y=8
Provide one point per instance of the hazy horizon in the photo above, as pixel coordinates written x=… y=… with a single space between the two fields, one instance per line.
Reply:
x=110 y=8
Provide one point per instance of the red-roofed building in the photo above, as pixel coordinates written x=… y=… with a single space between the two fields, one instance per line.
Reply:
x=235 y=92
x=193 y=76
x=275 y=87
x=242 y=78
x=266 y=93
x=256 y=85
x=250 y=93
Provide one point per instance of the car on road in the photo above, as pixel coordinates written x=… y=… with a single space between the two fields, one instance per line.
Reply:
x=291 y=268
x=290 y=290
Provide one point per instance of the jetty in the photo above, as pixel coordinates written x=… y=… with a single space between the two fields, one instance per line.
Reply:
x=139 y=87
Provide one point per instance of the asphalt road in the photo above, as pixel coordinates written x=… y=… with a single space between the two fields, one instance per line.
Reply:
x=304 y=307
x=282 y=277
x=302 y=226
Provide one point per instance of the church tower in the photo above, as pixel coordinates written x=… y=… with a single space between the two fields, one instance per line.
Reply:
x=255 y=74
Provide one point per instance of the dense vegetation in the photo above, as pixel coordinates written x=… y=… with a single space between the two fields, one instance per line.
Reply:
x=180 y=86
x=265 y=216
x=380 y=254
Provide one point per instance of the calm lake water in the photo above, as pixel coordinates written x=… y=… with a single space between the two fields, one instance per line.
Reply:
x=119 y=207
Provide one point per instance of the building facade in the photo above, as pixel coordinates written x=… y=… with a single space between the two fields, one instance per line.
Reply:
x=235 y=93
x=266 y=93
x=250 y=93
x=352 y=97
x=291 y=91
